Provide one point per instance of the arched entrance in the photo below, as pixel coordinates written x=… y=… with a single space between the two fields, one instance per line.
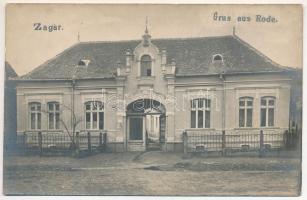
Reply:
x=145 y=125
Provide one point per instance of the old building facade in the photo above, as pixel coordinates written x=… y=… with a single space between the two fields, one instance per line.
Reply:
x=155 y=89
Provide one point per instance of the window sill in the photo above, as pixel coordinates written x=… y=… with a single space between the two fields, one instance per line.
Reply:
x=200 y=129
x=92 y=130
x=145 y=78
x=269 y=127
x=135 y=141
x=256 y=128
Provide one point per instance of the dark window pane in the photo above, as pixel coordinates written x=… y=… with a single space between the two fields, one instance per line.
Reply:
x=146 y=65
x=217 y=58
x=50 y=106
x=193 y=119
x=241 y=118
x=241 y=103
x=57 y=107
x=200 y=119
x=38 y=107
x=51 y=121
x=271 y=117
x=249 y=118
x=88 y=120
x=249 y=103
x=38 y=121
x=194 y=102
x=88 y=107
x=32 y=121
x=94 y=120
x=263 y=117
x=208 y=103
x=101 y=120
x=148 y=72
x=100 y=106
x=32 y=107
x=57 y=120
x=200 y=103
x=271 y=102
x=207 y=119
x=263 y=102
x=94 y=105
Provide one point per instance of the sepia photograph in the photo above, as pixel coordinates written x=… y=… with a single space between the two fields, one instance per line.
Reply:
x=153 y=99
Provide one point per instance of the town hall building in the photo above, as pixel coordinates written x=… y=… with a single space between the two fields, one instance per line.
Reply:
x=152 y=90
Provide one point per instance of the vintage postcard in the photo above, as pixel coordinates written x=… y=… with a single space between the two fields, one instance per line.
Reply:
x=153 y=99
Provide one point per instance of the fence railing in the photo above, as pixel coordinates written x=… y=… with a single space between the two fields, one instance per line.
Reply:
x=52 y=142
x=261 y=141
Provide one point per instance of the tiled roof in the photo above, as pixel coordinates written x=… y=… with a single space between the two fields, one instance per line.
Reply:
x=193 y=56
x=9 y=71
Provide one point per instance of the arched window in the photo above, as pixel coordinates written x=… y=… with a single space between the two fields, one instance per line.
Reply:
x=35 y=115
x=200 y=113
x=246 y=112
x=217 y=58
x=94 y=115
x=53 y=115
x=146 y=64
x=267 y=111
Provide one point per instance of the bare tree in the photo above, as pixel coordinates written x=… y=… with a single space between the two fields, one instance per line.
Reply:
x=69 y=128
x=74 y=123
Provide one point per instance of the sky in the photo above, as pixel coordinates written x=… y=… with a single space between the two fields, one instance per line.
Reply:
x=26 y=48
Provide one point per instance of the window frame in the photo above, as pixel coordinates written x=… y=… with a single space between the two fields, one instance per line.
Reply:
x=204 y=109
x=146 y=70
x=91 y=111
x=267 y=107
x=245 y=107
x=214 y=58
x=36 y=112
x=54 y=111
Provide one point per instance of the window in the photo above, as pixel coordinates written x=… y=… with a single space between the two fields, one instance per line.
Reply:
x=200 y=113
x=245 y=112
x=81 y=63
x=146 y=63
x=35 y=116
x=94 y=115
x=267 y=111
x=53 y=115
x=217 y=58
x=84 y=62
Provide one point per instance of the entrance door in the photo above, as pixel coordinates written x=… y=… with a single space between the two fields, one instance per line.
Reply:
x=136 y=128
x=162 y=128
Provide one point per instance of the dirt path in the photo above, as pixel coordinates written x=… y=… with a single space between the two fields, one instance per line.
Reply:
x=152 y=174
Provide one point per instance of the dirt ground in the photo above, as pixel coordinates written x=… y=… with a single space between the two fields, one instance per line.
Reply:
x=151 y=173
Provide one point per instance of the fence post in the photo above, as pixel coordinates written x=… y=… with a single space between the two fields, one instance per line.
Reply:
x=24 y=141
x=100 y=141
x=89 y=145
x=77 y=147
x=104 y=141
x=185 y=142
x=261 y=144
x=285 y=139
x=223 y=143
x=40 y=142
x=146 y=140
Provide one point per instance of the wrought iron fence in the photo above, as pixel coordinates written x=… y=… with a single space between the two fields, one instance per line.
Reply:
x=58 y=142
x=200 y=141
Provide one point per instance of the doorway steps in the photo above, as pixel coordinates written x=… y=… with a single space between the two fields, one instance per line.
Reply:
x=153 y=147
